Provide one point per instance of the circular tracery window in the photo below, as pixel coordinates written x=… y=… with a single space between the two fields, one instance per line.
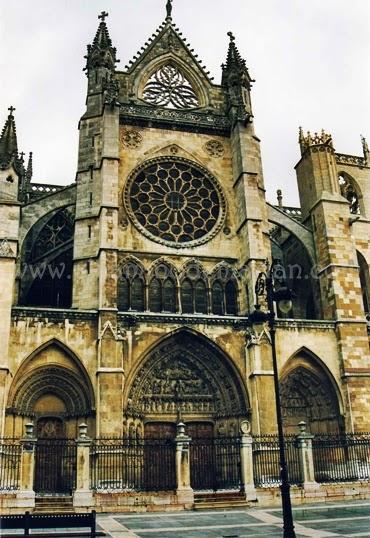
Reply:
x=174 y=201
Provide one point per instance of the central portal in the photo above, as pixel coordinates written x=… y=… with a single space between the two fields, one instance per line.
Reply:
x=187 y=376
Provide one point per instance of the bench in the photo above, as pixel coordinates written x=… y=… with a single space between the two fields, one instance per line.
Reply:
x=29 y=522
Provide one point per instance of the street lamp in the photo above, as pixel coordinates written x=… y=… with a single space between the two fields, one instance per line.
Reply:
x=272 y=285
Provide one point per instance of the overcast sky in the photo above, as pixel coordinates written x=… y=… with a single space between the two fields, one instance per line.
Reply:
x=310 y=59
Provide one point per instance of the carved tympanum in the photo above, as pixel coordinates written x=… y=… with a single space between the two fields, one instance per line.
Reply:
x=185 y=374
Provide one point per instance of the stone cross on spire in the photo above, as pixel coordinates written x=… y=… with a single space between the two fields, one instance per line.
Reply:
x=231 y=36
x=103 y=15
x=169 y=9
x=11 y=110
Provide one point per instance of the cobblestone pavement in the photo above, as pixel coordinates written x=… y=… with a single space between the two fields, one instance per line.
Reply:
x=350 y=519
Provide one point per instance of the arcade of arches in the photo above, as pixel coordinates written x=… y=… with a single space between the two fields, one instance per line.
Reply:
x=184 y=375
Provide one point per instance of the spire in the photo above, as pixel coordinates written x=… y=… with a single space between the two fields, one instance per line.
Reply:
x=236 y=80
x=101 y=53
x=234 y=59
x=8 y=140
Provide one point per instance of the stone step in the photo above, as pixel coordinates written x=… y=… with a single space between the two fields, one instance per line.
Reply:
x=209 y=505
x=52 y=505
x=223 y=496
x=53 y=510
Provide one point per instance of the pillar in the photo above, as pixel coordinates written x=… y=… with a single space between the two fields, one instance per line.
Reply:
x=304 y=440
x=82 y=496
x=185 y=494
x=26 y=494
x=246 y=461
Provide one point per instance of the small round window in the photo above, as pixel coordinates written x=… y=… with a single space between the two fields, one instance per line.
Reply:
x=175 y=201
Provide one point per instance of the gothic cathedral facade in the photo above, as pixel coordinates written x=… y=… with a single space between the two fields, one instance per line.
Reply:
x=125 y=296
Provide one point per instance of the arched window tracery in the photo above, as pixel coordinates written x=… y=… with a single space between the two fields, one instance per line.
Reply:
x=47 y=261
x=163 y=289
x=349 y=191
x=170 y=88
x=194 y=290
x=224 y=292
x=218 y=304
x=131 y=288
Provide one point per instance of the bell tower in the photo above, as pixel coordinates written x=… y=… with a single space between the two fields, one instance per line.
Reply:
x=327 y=213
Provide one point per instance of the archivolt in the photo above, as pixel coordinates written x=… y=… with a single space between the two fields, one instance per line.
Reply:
x=185 y=373
x=57 y=380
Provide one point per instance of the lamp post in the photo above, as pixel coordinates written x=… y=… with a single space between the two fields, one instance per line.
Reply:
x=274 y=288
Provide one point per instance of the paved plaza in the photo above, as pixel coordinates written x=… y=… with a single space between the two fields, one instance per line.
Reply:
x=349 y=519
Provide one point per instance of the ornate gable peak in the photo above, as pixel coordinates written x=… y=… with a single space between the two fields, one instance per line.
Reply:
x=167 y=39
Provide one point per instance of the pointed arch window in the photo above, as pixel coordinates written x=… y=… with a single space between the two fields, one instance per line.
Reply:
x=231 y=298
x=137 y=295
x=187 y=297
x=200 y=299
x=349 y=192
x=169 y=296
x=155 y=295
x=47 y=254
x=163 y=290
x=131 y=289
x=168 y=87
x=194 y=290
x=123 y=296
x=224 y=293
x=218 y=305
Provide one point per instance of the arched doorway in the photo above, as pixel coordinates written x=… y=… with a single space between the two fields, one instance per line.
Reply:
x=186 y=377
x=308 y=394
x=52 y=390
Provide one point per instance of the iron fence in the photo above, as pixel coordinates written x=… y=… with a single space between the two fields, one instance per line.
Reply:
x=266 y=460
x=215 y=464
x=133 y=464
x=55 y=466
x=341 y=458
x=10 y=462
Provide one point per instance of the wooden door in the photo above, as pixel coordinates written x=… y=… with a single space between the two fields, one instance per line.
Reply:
x=202 y=456
x=159 y=456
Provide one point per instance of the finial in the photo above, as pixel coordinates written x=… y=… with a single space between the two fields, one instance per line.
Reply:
x=11 y=110
x=21 y=156
x=279 y=197
x=103 y=15
x=231 y=36
x=365 y=146
x=169 y=9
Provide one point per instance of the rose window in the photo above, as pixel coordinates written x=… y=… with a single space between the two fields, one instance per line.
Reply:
x=176 y=202
x=169 y=88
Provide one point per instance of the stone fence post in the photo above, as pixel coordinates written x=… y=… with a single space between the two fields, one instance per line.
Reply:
x=83 y=496
x=304 y=441
x=185 y=493
x=246 y=461
x=26 y=493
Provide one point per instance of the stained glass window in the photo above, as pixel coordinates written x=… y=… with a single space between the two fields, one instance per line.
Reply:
x=168 y=87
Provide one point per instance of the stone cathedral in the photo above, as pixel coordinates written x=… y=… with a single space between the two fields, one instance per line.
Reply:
x=125 y=296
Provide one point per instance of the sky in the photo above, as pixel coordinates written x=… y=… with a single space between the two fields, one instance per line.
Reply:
x=310 y=59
